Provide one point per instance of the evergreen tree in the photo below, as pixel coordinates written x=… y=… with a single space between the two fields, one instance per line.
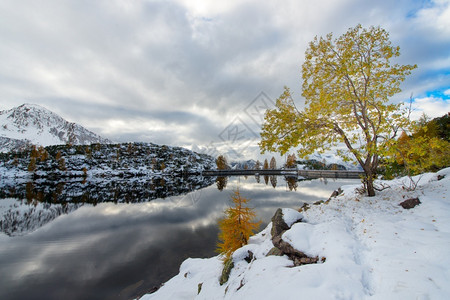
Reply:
x=237 y=226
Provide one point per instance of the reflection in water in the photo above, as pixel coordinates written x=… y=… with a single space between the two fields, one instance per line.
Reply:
x=292 y=183
x=221 y=182
x=65 y=197
x=121 y=251
x=266 y=179
x=97 y=191
x=273 y=181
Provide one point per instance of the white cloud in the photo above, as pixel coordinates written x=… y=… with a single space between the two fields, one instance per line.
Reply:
x=201 y=61
x=431 y=106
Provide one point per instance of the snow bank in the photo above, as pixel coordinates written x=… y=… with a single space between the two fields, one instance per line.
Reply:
x=374 y=249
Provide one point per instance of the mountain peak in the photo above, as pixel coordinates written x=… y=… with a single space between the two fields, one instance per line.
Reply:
x=34 y=124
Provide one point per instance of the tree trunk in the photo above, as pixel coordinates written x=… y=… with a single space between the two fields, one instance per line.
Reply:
x=368 y=181
x=369 y=186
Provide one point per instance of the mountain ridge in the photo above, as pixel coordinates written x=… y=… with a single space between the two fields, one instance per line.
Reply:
x=32 y=124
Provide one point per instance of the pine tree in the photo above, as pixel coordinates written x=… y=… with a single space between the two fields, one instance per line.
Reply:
x=237 y=226
x=257 y=165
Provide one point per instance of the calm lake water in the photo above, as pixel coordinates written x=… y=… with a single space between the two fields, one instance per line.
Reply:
x=107 y=250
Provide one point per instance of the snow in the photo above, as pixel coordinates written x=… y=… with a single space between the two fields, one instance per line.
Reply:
x=373 y=249
x=290 y=216
x=38 y=125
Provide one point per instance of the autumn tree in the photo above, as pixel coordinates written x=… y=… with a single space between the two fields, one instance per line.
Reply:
x=291 y=161
x=34 y=154
x=266 y=164
x=237 y=226
x=42 y=154
x=221 y=182
x=347 y=83
x=60 y=161
x=426 y=149
x=222 y=163
x=273 y=163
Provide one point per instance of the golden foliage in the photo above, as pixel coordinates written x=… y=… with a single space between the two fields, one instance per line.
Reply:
x=237 y=225
x=266 y=164
x=222 y=163
x=291 y=161
x=346 y=83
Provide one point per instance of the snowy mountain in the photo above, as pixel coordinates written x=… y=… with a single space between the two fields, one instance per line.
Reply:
x=33 y=124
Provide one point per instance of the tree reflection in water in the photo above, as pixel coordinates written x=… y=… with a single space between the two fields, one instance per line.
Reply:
x=292 y=183
x=273 y=181
x=221 y=182
x=115 y=190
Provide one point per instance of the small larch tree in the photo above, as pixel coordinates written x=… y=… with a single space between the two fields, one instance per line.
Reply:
x=237 y=226
x=222 y=163
x=347 y=83
x=291 y=161
x=273 y=163
x=266 y=164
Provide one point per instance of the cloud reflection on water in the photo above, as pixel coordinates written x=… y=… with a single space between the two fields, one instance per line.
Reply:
x=98 y=252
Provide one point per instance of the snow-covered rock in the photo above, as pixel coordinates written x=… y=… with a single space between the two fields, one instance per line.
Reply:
x=374 y=249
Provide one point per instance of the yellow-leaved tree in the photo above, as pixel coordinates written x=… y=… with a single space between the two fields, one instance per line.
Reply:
x=425 y=150
x=237 y=226
x=347 y=83
x=221 y=162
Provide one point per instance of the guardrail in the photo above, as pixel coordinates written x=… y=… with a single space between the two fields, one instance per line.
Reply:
x=287 y=172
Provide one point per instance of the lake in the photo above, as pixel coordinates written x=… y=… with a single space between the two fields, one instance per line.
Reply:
x=92 y=249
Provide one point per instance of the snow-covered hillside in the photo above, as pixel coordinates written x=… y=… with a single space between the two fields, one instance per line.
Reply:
x=105 y=160
x=372 y=249
x=34 y=124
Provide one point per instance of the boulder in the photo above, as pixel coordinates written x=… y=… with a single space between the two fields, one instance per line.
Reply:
x=278 y=224
x=227 y=267
x=410 y=203
x=282 y=247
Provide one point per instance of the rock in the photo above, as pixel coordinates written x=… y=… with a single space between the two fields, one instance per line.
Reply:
x=278 y=223
x=286 y=248
x=250 y=256
x=275 y=251
x=410 y=203
x=282 y=247
x=440 y=177
x=336 y=193
x=227 y=267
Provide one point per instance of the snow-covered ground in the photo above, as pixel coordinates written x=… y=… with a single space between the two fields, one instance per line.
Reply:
x=374 y=249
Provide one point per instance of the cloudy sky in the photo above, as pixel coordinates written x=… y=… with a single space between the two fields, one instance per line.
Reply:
x=197 y=72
